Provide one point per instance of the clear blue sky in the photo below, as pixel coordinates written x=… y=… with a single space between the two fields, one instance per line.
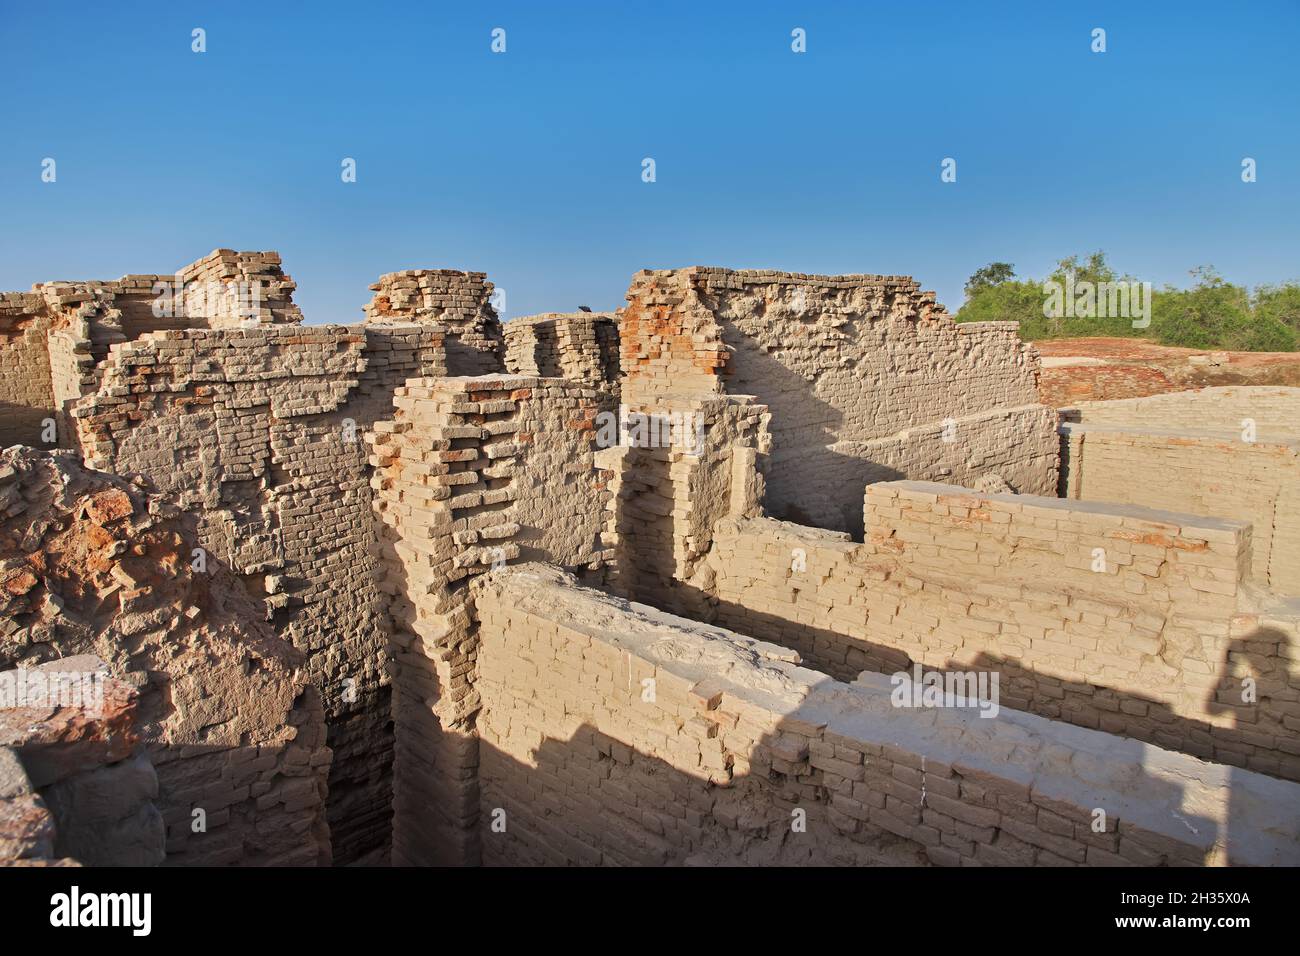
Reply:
x=527 y=165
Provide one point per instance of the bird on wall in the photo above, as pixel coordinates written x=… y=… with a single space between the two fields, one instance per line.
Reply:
x=584 y=308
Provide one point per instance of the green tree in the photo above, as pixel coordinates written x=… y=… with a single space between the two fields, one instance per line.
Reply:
x=1212 y=314
x=995 y=273
x=1094 y=269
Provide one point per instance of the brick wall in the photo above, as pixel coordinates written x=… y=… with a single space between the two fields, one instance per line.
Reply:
x=53 y=338
x=669 y=495
x=259 y=432
x=1011 y=449
x=582 y=346
x=614 y=734
x=459 y=303
x=1200 y=474
x=1155 y=646
x=841 y=362
x=26 y=392
x=1222 y=409
x=470 y=473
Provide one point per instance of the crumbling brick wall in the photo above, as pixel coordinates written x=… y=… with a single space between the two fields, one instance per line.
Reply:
x=582 y=346
x=470 y=473
x=615 y=734
x=91 y=564
x=254 y=423
x=259 y=431
x=1157 y=644
x=53 y=339
x=842 y=362
x=459 y=303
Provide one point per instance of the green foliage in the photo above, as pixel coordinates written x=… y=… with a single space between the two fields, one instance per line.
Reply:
x=1279 y=302
x=995 y=273
x=1212 y=314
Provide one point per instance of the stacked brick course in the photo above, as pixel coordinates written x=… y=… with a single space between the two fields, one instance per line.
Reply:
x=582 y=346
x=471 y=473
x=1154 y=642
x=460 y=303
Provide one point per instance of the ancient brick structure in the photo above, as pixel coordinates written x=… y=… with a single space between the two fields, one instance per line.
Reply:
x=1232 y=450
x=94 y=565
x=471 y=474
x=616 y=734
x=431 y=589
x=866 y=378
x=582 y=346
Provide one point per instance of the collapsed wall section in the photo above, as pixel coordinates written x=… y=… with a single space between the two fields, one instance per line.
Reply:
x=92 y=565
x=76 y=787
x=472 y=473
x=1107 y=616
x=843 y=363
x=259 y=432
x=616 y=734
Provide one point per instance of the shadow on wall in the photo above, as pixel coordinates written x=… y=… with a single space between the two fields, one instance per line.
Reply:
x=594 y=800
x=1125 y=713
x=805 y=479
x=1147 y=719
x=1243 y=673
x=435 y=788
x=166 y=803
x=830 y=501
x=213 y=793
x=23 y=425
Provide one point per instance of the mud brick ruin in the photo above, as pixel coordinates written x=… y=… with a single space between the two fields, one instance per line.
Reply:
x=627 y=588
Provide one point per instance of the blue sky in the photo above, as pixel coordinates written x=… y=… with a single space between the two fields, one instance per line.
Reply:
x=527 y=164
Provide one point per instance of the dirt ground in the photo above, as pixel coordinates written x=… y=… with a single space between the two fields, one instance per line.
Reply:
x=1088 y=369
